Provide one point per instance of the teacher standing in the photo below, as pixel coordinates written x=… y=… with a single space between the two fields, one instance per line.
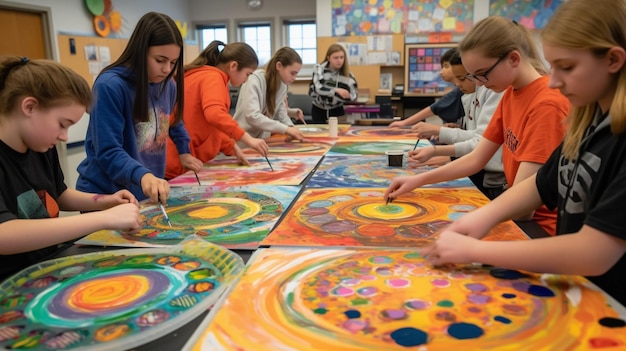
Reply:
x=332 y=85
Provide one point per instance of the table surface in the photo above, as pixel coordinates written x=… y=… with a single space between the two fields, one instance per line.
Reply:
x=176 y=339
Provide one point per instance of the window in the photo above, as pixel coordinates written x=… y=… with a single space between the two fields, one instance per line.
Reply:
x=208 y=33
x=301 y=35
x=259 y=36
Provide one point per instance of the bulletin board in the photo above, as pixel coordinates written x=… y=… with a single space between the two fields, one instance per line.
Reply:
x=531 y=14
x=88 y=56
x=422 y=68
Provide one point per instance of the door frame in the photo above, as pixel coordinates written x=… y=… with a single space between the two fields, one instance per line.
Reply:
x=46 y=19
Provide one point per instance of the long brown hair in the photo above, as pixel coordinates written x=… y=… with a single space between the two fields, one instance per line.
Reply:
x=153 y=29
x=596 y=26
x=51 y=83
x=345 y=68
x=242 y=53
x=287 y=57
x=496 y=36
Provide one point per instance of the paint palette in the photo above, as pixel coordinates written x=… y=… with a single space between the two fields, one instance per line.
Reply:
x=356 y=300
x=113 y=300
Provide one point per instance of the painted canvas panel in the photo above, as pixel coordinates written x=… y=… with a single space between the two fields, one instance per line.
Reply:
x=286 y=171
x=368 y=171
x=113 y=300
x=358 y=300
x=308 y=147
x=321 y=130
x=384 y=133
x=374 y=147
x=360 y=217
x=532 y=14
x=234 y=217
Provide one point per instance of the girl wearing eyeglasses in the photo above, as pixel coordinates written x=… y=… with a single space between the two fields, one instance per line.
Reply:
x=529 y=121
x=585 y=177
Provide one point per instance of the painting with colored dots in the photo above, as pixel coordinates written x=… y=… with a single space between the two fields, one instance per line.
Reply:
x=373 y=147
x=356 y=217
x=113 y=300
x=357 y=300
x=369 y=171
x=234 y=217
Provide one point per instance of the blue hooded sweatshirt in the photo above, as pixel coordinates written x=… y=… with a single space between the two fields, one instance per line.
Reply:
x=119 y=151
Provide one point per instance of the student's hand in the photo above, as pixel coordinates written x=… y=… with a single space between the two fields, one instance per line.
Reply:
x=123 y=217
x=345 y=94
x=295 y=133
x=401 y=185
x=450 y=247
x=154 y=188
x=188 y=161
x=120 y=197
x=451 y=125
x=241 y=157
x=426 y=130
x=421 y=154
x=397 y=124
x=297 y=114
x=255 y=143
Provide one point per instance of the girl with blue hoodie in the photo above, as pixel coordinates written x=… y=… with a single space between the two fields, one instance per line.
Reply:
x=129 y=120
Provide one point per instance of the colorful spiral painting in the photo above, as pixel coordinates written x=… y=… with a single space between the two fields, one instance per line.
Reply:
x=227 y=172
x=112 y=300
x=234 y=217
x=381 y=133
x=368 y=171
x=356 y=300
x=360 y=217
x=280 y=147
x=371 y=147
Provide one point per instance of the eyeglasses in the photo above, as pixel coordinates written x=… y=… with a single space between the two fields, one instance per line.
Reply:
x=483 y=77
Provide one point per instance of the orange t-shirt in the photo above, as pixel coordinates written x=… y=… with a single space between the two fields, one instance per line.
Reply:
x=530 y=124
x=207 y=118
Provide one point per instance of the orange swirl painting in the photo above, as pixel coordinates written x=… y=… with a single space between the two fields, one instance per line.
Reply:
x=358 y=300
x=360 y=217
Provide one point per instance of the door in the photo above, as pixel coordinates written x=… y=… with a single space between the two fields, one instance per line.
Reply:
x=23 y=33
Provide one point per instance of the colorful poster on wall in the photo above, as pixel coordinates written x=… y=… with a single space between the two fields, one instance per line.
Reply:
x=367 y=17
x=371 y=300
x=234 y=217
x=113 y=300
x=355 y=217
x=532 y=14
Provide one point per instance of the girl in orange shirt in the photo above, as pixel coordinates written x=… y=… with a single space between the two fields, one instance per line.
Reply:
x=207 y=104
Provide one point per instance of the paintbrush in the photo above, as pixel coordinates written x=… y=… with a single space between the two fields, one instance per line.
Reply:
x=389 y=199
x=268 y=162
x=163 y=211
x=417 y=142
x=198 y=179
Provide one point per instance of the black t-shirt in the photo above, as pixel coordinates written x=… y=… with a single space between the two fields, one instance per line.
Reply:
x=449 y=107
x=30 y=184
x=591 y=191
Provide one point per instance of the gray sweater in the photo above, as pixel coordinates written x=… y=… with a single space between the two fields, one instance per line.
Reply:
x=251 y=111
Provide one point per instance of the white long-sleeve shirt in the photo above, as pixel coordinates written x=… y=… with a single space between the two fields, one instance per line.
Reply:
x=479 y=109
x=251 y=111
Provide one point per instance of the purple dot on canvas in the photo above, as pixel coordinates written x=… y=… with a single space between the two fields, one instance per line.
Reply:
x=398 y=283
x=417 y=304
x=440 y=283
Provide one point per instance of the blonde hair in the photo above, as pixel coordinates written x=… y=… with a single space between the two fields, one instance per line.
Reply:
x=345 y=68
x=497 y=36
x=51 y=83
x=596 y=26
x=287 y=57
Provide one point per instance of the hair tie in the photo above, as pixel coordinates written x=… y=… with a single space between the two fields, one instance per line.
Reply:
x=515 y=22
x=24 y=60
x=222 y=49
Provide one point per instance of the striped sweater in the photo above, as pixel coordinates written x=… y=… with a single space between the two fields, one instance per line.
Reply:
x=323 y=84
